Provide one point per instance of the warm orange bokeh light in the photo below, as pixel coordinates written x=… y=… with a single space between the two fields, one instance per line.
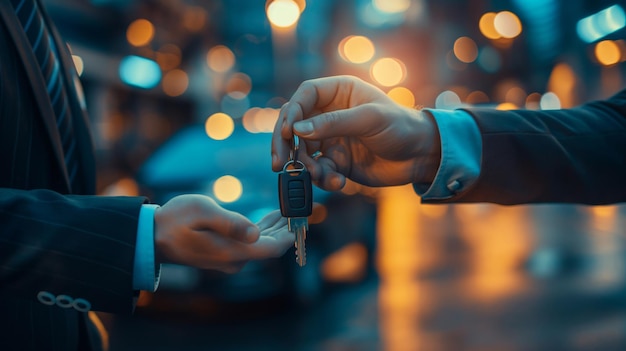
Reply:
x=220 y=58
x=168 y=57
x=175 y=82
x=356 y=49
x=227 y=188
x=608 y=52
x=402 y=96
x=219 y=126
x=195 y=18
x=239 y=83
x=487 y=26
x=465 y=49
x=388 y=71
x=477 y=97
x=392 y=6
x=140 y=32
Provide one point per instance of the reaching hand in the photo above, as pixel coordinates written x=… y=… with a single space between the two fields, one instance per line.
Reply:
x=361 y=132
x=194 y=230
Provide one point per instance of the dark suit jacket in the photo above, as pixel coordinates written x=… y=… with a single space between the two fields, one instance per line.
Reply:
x=57 y=241
x=574 y=155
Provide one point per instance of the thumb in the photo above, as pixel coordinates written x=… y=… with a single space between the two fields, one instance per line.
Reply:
x=357 y=121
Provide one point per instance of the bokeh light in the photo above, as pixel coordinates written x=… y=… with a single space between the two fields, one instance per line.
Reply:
x=283 y=13
x=168 y=57
x=260 y=120
x=607 y=52
x=601 y=24
x=220 y=58
x=175 y=82
x=194 y=18
x=465 y=49
x=507 y=24
x=140 y=32
x=447 y=100
x=219 y=126
x=227 y=188
x=356 y=49
x=239 y=83
x=139 y=72
x=78 y=64
x=392 y=6
x=532 y=101
x=550 y=101
x=402 y=96
x=477 y=97
x=388 y=71
x=487 y=27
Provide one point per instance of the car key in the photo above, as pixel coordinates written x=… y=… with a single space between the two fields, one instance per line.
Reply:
x=296 y=203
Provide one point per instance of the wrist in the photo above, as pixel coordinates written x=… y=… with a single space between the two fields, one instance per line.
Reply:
x=428 y=148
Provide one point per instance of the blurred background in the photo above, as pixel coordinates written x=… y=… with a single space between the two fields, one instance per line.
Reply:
x=183 y=95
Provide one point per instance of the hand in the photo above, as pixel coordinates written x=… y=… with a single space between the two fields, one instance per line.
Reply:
x=194 y=230
x=362 y=133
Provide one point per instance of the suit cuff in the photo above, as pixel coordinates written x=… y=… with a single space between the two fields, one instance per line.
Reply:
x=461 y=151
x=146 y=273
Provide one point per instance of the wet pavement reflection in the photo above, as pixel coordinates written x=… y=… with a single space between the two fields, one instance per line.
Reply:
x=442 y=277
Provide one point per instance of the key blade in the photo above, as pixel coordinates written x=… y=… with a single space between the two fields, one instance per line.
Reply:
x=299 y=226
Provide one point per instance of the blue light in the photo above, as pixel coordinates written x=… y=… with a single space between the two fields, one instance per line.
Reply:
x=601 y=24
x=140 y=72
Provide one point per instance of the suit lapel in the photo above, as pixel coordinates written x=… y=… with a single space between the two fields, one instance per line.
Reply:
x=80 y=120
x=79 y=117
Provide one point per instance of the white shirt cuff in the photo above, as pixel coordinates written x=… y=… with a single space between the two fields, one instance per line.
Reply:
x=146 y=274
x=461 y=152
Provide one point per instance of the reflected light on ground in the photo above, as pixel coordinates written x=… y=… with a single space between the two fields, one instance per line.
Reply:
x=175 y=82
x=465 y=49
x=219 y=126
x=356 y=49
x=78 y=64
x=402 y=96
x=499 y=243
x=398 y=261
x=487 y=26
x=140 y=32
x=283 y=13
x=227 y=188
x=220 y=58
x=607 y=52
x=388 y=71
x=348 y=264
x=507 y=24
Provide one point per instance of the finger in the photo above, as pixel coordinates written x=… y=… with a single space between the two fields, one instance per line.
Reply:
x=329 y=179
x=275 y=244
x=269 y=220
x=360 y=121
x=227 y=223
x=280 y=142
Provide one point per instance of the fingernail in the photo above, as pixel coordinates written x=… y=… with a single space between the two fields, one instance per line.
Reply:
x=304 y=128
x=252 y=234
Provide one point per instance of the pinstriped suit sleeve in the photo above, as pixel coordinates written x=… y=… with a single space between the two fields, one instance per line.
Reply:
x=80 y=246
x=575 y=155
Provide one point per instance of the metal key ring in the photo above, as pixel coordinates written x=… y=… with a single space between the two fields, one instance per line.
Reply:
x=292 y=162
x=295 y=147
